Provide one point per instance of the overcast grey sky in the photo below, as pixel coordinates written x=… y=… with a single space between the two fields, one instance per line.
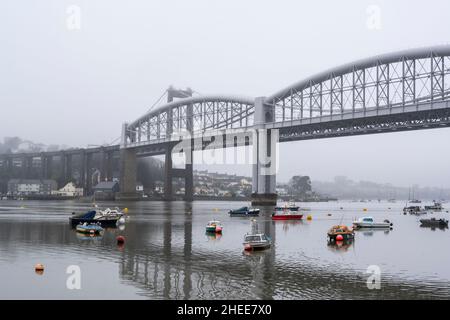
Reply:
x=76 y=87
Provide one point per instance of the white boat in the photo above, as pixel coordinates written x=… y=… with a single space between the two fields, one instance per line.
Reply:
x=256 y=240
x=369 y=222
x=108 y=214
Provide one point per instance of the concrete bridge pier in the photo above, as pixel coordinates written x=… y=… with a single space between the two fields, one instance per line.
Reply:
x=128 y=173
x=67 y=167
x=265 y=145
x=46 y=167
x=187 y=173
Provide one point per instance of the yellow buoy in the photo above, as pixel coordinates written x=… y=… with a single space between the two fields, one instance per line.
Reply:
x=365 y=209
x=309 y=217
x=125 y=210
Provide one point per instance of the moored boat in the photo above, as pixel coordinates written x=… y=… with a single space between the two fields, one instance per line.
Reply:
x=287 y=215
x=214 y=226
x=256 y=240
x=289 y=206
x=369 y=222
x=89 y=228
x=437 y=206
x=414 y=210
x=433 y=222
x=340 y=233
x=244 y=211
x=106 y=218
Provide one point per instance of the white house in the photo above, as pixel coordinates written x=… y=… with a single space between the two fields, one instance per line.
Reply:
x=69 y=190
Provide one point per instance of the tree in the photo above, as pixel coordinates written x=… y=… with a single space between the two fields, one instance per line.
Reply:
x=300 y=185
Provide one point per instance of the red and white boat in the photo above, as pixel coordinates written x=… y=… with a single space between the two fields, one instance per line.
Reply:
x=287 y=215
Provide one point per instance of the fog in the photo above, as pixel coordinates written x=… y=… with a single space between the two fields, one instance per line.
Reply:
x=75 y=87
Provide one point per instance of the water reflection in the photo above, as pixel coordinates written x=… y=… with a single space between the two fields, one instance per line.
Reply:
x=340 y=246
x=168 y=256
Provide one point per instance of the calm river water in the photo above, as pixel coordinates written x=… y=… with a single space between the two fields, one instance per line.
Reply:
x=167 y=254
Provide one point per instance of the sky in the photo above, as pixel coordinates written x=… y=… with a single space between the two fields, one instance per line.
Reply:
x=71 y=72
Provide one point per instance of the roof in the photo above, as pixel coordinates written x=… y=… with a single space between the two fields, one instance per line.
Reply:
x=106 y=185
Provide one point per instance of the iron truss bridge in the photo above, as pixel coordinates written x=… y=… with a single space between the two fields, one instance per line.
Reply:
x=405 y=90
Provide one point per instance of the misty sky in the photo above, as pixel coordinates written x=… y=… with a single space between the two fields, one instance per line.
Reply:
x=76 y=87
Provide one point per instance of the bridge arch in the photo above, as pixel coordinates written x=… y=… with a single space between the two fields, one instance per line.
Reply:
x=194 y=115
x=400 y=79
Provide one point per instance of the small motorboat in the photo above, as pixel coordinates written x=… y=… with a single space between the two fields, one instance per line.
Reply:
x=369 y=222
x=256 y=240
x=437 y=206
x=290 y=206
x=89 y=228
x=244 y=211
x=414 y=210
x=433 y=222
x=340 y=233
x=214 y=226
x=106 y=218
x=287 y=215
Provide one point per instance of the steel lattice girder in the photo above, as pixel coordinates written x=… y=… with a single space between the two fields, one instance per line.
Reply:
x=388 y=123
x=383 y=82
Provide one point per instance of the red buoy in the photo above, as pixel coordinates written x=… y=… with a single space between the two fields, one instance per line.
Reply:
x=339 y=237
x=120 y=240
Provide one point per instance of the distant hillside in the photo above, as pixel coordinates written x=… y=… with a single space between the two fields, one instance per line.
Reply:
x=344 y=188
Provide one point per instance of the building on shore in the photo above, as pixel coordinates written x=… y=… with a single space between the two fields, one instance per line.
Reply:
x=27 y=187
x=69 y=190
x=106 y=190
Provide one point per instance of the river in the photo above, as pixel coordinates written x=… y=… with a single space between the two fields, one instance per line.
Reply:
x=167 y=254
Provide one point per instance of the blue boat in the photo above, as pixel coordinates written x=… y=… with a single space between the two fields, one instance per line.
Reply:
x=244 y=211
x=105 y=218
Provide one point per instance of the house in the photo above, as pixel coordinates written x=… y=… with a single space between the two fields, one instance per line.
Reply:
x=69 y=190
x=106 y=190
x=31 y=187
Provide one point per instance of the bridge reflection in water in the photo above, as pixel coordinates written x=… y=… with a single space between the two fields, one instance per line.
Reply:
x=167 y=255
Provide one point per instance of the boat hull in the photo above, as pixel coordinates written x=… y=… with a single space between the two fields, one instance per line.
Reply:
x=372 y=225
x=287 y=217
x=346 y=236
x=244 y=214
x=256 y=246
x=103 y=222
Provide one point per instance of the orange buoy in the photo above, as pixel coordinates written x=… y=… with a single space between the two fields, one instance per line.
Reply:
x=339 y=237
x=120 y=240
x=39 y=268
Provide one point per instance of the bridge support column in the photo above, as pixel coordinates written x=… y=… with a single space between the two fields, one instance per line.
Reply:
x=128 y=173
x=46 y=167
x=187 y=173
x=265 y=144
x=67 y=168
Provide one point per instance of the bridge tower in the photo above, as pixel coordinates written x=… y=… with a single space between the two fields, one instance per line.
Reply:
x=265 y=144
x=187 y=148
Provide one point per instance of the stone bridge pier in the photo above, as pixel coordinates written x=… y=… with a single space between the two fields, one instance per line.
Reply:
x=265 y=153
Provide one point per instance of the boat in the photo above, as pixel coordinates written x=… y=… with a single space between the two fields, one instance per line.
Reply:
x=214 y=226
x=288 y=206
x=433 y=222
x=287 y=215
x=437 y=206
x=244 y=211
x=414 y=210
x=106 y=218
x=256 y=240
x=340 y=233
x=369 y=222
x=90 y=228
